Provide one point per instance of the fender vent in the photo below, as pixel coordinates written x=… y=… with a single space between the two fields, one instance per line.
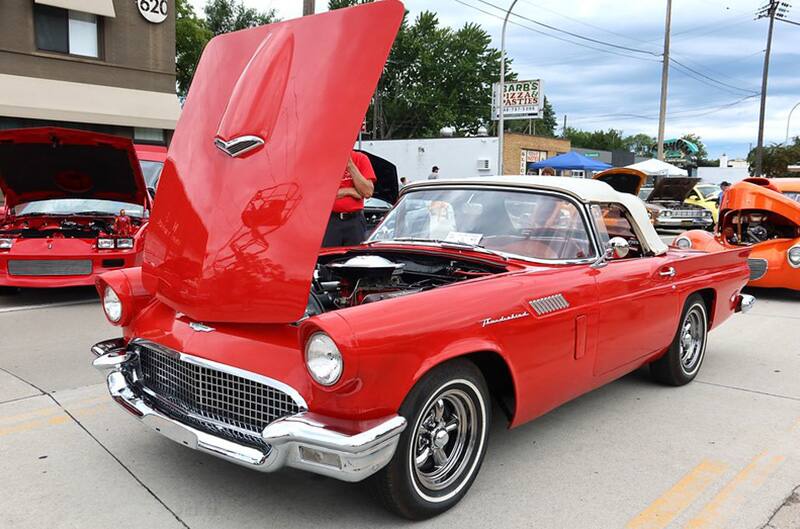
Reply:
x=758 y=268
x=549 y=304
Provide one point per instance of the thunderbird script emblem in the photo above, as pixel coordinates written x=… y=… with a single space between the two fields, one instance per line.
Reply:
x=238 y=146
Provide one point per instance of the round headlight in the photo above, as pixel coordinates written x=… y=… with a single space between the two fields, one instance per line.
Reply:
x=666 y=213
x=683 y=242
x=793 y=255
x=323 y=359
x=112 y=305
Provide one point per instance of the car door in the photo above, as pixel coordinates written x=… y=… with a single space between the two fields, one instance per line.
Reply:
x=637 y=299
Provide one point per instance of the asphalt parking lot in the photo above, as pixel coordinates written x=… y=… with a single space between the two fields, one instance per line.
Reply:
x=722 y=452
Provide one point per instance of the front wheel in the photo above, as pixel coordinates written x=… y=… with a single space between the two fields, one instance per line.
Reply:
x=682 y=361
x=443 y=446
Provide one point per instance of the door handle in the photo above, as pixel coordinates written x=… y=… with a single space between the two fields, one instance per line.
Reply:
x=667 y=272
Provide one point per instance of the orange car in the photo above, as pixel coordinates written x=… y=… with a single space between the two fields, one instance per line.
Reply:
x=764 y=214
x=631 y=181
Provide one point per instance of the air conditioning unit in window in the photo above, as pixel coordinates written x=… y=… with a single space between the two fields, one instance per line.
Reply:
x=483 y=164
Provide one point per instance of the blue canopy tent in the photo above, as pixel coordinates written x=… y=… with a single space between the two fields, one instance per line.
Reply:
x=570 y=161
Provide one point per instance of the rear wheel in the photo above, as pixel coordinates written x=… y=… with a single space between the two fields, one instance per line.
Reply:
x=442 y=448
x=682 y=361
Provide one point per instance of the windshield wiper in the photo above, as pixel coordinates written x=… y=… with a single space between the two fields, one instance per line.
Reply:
x=457 y=245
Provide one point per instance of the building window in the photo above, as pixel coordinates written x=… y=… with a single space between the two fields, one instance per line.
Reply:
x=148 y=135
x=66 y=31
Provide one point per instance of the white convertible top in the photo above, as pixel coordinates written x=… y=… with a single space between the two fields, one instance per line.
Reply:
x=585 y=190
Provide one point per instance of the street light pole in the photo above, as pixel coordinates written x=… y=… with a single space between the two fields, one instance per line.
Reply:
x=662 y=112
x=788 y=119
x=500 y=117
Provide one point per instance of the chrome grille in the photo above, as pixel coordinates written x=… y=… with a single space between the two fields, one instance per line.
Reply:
x=758 y=268
x=51 y=267
x=211 y=400
x=686 y=213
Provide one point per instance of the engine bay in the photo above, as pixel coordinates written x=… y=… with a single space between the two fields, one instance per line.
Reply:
x=755 y=226
x=358 y=278
x=79 y=227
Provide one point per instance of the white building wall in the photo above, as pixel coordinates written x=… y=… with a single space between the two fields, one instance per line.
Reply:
x=455 y=157
x=716 y=175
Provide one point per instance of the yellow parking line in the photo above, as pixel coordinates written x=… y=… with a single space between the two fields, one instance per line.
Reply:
x=62 y=418
x=731 y=496
x=664 y=509
x=52 y=410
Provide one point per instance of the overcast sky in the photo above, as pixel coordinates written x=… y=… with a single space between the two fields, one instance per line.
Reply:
x=620 y=88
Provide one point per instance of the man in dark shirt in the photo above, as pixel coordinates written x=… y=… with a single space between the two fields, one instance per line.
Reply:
x=347 y=225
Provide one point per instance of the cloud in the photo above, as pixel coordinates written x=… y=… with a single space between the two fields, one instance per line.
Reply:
x=598 y=89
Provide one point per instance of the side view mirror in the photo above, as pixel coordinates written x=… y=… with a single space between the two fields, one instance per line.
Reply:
x=617 y=248
x=152 y=192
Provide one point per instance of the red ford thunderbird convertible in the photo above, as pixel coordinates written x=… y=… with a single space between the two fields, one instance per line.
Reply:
x=242 y=340
x=76 y=206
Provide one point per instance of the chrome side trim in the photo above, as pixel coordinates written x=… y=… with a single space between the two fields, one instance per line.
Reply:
x=549 y=304
x=202 y=362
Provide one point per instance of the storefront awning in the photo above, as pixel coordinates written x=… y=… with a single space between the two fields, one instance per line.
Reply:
x=29 y=97
x=103 y=8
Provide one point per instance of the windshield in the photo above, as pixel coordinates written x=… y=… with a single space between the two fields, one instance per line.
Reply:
x=151 y=172
x=794 y=195
x=528 y=224
x=77 y=206
x=708 y=191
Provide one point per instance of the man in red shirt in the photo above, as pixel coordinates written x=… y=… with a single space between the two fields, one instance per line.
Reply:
x=347 y=225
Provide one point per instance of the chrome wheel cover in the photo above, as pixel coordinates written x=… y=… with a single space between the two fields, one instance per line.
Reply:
x=692 y=339
x=447 y=435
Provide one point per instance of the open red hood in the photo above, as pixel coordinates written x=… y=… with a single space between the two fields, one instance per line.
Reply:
x=255 y=162
x=50 y=162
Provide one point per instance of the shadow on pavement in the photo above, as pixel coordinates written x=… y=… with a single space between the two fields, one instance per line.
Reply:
x=30 y=297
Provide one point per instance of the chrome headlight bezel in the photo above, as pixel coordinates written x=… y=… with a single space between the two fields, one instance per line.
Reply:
x=112 y=305
x=665 y=213
x=323 y=359
x=682 y=242
x=6 y=243
x=125 y=243
x=794 y=263
x=105 y=243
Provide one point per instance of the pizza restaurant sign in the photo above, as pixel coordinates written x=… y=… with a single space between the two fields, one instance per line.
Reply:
x=521 y=99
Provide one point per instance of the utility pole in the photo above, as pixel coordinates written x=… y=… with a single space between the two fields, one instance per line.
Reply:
x=772 y=9
x=308 y=7
x=662 y=112
x=501 y=92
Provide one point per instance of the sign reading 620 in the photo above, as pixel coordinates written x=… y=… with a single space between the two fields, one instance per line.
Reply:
x=154 y=11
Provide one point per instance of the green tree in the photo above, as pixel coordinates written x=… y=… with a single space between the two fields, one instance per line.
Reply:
x=640 y=144
x=604 y=140
x=193 y=33
x=544 y=126
x=776 y=159
x=224 y=16
x=191 y=36
x=436 y=76
x=702 y=153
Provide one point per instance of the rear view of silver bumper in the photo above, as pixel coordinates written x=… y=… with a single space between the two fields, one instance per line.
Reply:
x=304 y=440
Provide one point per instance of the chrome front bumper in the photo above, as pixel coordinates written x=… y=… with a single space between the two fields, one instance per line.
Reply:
x=305 y=440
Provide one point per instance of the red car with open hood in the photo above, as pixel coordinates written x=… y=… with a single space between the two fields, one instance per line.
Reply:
x=76 y=205
x=244 y=341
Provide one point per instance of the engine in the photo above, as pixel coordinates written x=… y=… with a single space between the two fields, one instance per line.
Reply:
x=369 y=278
x=42 y=227
x=752 y=227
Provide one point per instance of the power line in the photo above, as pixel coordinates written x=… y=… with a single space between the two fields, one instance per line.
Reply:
x=575 y=35
x=534 y=30
x=712 y=79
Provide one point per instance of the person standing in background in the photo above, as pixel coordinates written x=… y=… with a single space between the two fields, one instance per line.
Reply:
x=347 y=225
x=723 y=187
x=434 y=173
